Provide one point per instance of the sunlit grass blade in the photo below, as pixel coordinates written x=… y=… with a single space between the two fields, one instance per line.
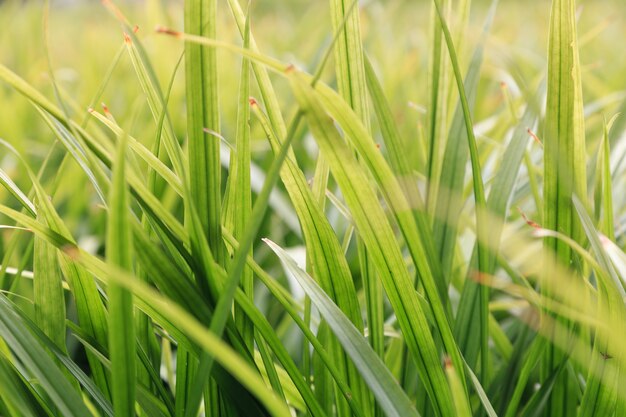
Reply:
x=600 y=396
x=497 y=204
x=458 y=391
x=325 y=254
x=349 y=56
x=350 y=73
x=603 y=192
x=438 y=89
x=203 y=113
x=145 y=154
x=376 y=232
x=67 y=400
x=450 y=186
x=391 y=190
x=479 y=194
x=174 y=319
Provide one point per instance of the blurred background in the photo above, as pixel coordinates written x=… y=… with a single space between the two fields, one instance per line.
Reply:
x=83 y=40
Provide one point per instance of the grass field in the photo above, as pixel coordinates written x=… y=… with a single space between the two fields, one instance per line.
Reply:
x=337 y=208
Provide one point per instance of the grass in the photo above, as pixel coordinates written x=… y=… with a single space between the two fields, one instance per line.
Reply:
x=390 y=209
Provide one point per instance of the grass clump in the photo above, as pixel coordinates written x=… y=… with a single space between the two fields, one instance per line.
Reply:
x=259 y=225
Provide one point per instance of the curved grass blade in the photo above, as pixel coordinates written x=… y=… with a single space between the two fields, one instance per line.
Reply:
x=11 y=187
x=377 y=234
x=326 y=256
x=376 y=375
x=90 y=309
x=479 y=194
x=37 y=361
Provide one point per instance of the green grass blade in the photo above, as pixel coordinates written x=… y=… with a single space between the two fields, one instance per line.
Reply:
x=48 y=292
x=145 y=154
x=438 y=86
x=177 y=321
x=479 y=194
x=386 y=390
x=391 y=190
x=349 y=56
x=564 y=167
x=239 y=191
x=16 y=399
x=324 y=251
x=90 y=309
x=121 y=322
x=448 y=207
x=11 y=187
x=49 y=376
x=498 y=204
x=376 y=232
x=203 y=113
x=604 y=187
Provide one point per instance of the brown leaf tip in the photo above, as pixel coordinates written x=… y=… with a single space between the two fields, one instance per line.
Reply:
x=71 y=251
x=105 y=108
x=168 y=31
x=127 y=38
x=290 y=68
x=527 y=220
x=135 y=29
x=534 y=136
x=252 y=101
x=447 y=362
x=479 y=277
x=606 y=356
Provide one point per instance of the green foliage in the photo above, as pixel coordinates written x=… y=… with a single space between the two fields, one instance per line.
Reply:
x=320 y=249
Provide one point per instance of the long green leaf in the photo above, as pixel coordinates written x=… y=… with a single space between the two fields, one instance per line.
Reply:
x=121 y=322
x=564 y=168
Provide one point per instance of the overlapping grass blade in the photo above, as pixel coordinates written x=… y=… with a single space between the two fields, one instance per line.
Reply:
x=90 y=309
x=48 y=374
x=325 y=254
x=376 y=232
x=479 y=193
x=386 y=390
x=174 y=319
